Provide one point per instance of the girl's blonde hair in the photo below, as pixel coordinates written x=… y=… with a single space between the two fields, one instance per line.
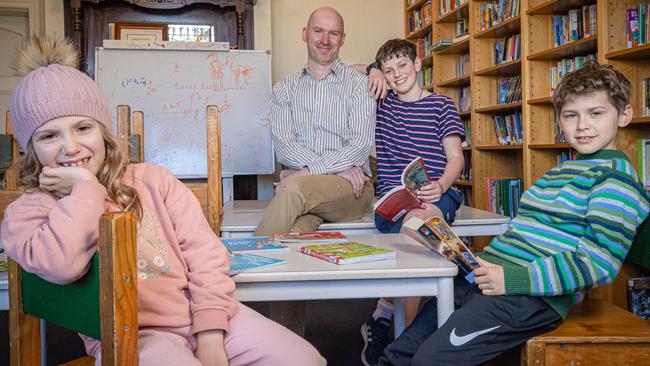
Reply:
x=109 y=175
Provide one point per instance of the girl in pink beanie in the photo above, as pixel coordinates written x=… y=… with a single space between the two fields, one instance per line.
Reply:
x=72 y=172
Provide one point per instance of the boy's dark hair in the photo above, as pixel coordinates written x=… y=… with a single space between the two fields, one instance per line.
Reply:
x=591 y=78
x=395 y=48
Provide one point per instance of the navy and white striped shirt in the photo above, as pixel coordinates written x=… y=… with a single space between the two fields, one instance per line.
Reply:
x=326 y=125
x=406 y=130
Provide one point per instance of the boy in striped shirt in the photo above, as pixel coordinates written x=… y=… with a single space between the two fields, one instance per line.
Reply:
x=572 y=232
x=411 y=123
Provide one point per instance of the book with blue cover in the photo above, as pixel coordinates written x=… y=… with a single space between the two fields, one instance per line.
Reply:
x=253 y=245
x=244 y=262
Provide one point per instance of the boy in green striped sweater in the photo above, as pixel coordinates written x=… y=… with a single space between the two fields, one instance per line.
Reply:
x=572 y=232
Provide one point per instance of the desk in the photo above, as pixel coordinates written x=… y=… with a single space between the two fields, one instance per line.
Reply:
x=241 y=217
x=416 y=271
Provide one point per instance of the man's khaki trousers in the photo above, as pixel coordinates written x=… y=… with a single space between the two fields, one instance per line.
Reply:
x=303 y=203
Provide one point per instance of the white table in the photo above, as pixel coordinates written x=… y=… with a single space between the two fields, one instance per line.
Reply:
x=240 y=218
x=416 y=271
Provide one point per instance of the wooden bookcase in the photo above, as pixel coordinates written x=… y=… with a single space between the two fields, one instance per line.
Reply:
x=539 y=151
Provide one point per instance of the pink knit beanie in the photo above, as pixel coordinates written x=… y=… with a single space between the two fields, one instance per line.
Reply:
x=53 y=88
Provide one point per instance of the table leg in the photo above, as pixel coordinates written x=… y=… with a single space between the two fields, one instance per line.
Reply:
x=445 y=299
x=399 y=315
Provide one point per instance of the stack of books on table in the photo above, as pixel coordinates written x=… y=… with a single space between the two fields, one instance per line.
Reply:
x=333 y=247
x=242 y=257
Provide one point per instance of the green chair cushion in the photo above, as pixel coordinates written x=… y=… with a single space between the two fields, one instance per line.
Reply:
x=74 y=306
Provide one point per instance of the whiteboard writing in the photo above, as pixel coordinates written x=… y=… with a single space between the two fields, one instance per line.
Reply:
x=173 y=87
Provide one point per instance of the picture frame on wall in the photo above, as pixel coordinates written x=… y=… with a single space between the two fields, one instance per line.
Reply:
x=141 y=31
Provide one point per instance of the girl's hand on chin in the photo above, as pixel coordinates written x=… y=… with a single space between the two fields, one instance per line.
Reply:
x=62 y=179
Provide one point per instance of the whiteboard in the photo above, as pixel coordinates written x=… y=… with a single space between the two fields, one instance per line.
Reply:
x=173 y=87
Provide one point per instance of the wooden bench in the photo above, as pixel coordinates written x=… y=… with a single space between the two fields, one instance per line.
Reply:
x=595 y=333
x=240 y=219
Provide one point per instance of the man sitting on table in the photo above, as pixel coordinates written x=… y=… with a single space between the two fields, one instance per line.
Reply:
x=322 y=121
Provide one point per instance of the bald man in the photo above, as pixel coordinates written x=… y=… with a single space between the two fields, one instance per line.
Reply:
x=322 y=120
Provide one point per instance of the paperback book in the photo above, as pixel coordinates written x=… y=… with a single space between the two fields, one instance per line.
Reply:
x=244 y=262
x=346 y=253
x=253 y=245
x=639 y=296
x=311 y=237
x=435 y=234
x=399 y=200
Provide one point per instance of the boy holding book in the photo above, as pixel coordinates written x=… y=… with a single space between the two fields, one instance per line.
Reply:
x=411 y=123
x=572 y=232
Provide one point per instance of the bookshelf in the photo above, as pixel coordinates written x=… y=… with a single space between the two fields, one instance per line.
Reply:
x=451 y=72
x=539 y=54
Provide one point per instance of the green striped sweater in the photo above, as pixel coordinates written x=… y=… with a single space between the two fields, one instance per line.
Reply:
x=573 y=229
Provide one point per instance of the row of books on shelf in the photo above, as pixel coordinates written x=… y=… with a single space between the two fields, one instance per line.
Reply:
x=464 y=99
x=636 y=25
x=467 y=142
x=507 y=49
x=466 y=196
x=565 y=66
x=643 y=158
x=427 y=77
x=645 y=97
x=462 y=27
x=503 y=195
x=560 y=138
x=508 y=128
x=565 y=156
x=496 y=12
x=462 y=65
x=423 y=45
x=509 y=90
x=447 y=6
x=466 y=173
x=576 y=25
x=418 y=18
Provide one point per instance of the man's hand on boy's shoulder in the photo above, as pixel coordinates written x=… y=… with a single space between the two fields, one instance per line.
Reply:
x=377 y=86
x=489 y=278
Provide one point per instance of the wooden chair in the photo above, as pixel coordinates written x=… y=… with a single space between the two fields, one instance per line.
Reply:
x=209 y=193
x=78 y=306
x=102 y=306
x=596 y=332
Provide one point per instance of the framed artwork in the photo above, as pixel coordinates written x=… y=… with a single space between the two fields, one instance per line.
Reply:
x=141 y=31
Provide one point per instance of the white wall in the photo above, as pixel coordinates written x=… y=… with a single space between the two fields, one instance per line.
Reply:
x=368 y=24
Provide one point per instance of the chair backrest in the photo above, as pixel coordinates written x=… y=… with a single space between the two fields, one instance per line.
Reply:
x=208 y=193
x=102 y=304
x=131 y=131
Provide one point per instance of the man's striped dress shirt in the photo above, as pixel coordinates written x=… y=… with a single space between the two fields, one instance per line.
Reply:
x=326 y=125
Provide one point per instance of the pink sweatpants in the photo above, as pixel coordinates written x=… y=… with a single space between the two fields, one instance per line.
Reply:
x=252 y=340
